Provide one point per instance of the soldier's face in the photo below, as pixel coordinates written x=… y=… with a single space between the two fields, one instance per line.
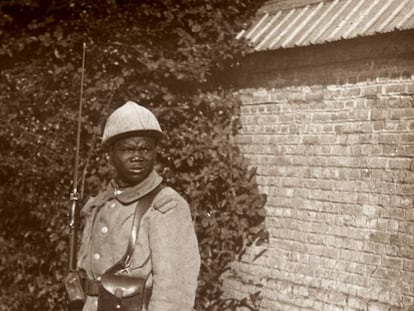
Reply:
x=133 y=159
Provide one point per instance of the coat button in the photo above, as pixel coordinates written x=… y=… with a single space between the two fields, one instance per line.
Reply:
x=96 y=256
x=104 y=229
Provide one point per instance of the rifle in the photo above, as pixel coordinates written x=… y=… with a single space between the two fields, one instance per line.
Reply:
x=72 y=280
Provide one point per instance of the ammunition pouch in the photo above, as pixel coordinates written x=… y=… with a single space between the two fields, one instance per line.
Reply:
x=121 y=292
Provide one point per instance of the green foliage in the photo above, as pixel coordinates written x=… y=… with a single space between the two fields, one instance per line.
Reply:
x=177 y=58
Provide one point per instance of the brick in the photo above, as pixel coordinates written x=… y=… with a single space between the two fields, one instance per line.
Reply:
x=311 y=140
x=349 y=92
x=373 y=247
x=389 y=139
x=402 y=240
x=391 y=150
x=375 y=306
x=340 y=116
x=393 y=226
x=321 y=251
x=329 y=307
x=393 y=263
x=381 y=237
x=379 y=125
x=393 y=213
x=371 y=211
x=405 y=190
x=405 y=252
x=314 y=95
x=295 y=96
x=371 y=91
x=401 y=113
x=357 y=303
x=386 y=273
x=382 y=224
x=348 y=255
x=315 y=238
x=367 y=138
x=408 y=265
x=407 y=139
x=370 y=259
x=355 y=268
x=378 y=114
x=359 y=280
x=300 y=291
x=405 y=227
x=410 y=89
x=395 y=88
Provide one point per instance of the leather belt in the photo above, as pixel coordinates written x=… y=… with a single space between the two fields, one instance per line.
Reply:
x=91 y=287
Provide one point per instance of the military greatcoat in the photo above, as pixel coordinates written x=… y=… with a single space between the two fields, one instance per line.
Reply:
x=166 y=251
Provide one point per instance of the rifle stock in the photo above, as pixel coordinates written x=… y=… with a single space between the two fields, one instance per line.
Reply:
x=73 y=228
x=72 y=281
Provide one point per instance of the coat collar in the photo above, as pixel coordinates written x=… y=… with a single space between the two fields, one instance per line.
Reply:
x=130 y=194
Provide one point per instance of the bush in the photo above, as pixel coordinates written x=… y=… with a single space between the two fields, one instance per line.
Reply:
x=175 y=57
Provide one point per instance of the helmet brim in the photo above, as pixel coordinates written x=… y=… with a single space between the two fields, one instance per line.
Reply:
x=157 y=135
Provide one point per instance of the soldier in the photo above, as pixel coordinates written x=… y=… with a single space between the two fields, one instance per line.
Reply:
x=166 y=252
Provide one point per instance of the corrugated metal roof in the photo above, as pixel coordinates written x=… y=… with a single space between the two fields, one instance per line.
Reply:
x=328 y=21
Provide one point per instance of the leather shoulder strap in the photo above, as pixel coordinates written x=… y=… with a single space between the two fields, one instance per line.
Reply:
x=142 y=207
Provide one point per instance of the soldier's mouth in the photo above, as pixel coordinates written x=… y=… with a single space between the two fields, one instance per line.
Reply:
x=136 y=170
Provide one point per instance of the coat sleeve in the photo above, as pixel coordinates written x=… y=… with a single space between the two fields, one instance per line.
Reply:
x=175 y=258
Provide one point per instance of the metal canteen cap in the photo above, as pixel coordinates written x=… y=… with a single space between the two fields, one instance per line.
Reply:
x=128 y=119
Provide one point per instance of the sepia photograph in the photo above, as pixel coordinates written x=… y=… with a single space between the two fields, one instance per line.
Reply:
x=207 y=155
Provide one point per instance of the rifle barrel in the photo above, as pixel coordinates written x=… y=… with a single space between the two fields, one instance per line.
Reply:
x=78 y=132
x=75 y=196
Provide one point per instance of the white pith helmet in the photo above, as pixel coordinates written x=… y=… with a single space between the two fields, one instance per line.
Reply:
x=131 y=118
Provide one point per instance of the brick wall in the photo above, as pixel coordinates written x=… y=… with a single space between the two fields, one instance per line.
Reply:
x=333 y=144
